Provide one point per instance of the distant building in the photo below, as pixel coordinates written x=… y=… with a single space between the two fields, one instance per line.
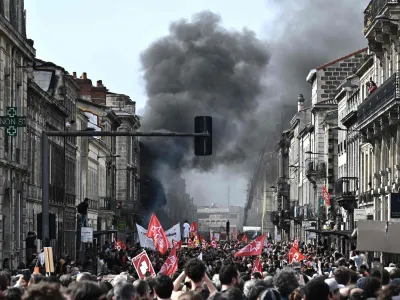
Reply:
x=215 y=218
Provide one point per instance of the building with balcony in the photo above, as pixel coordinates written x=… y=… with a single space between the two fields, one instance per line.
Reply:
x=52 y=96
x=16 y=52
x=378 y=113
x=128 y=163
x=98 y=156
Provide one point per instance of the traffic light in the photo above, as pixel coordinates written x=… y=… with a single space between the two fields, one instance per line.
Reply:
x=119 y=205
x=203 y=144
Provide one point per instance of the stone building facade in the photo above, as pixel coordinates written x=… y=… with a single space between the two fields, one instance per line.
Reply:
x=128 y=163
x=16 y=52
x=52 y=96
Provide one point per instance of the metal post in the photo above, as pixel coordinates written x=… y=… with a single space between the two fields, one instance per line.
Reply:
x=45 y=189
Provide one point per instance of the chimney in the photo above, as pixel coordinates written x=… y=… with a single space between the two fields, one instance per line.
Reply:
x=99 y=83
x=84 y=75
x=74 y=75
x=300 y=103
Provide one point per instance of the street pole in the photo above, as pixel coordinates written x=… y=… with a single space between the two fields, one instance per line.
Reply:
x=45 y=189
x=46 y=161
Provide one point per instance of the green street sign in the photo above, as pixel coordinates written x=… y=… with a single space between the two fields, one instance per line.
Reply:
x=121 y=226
x=12 y=121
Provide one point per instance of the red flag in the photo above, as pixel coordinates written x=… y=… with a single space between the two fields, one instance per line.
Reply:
x=253 y=248
x=157 y=233
x=296 y=243
x=295 y=255
x=203 y=244
x=214 y=244
x=245 y=239
x=193 y=227
x=257 y=268
x=177 y=245
x=191 y=243
x=171 y=264
x=326 y=196
x=120 y=245
x=143 y=265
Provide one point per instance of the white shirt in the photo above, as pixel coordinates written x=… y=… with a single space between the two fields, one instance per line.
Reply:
x=186 y=228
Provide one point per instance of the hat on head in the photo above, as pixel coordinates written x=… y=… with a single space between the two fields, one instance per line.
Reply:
x=333 y=285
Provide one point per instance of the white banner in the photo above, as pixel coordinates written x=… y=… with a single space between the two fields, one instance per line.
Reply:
x=174 y=233
x=144 y=241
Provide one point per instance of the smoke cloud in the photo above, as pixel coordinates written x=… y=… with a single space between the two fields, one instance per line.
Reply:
x=202 y=69
x=247 y=85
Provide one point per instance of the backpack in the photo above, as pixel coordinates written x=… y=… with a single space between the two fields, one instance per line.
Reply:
x=81 y=208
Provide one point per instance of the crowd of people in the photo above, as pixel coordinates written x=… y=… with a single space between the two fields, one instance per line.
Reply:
x=323 y=274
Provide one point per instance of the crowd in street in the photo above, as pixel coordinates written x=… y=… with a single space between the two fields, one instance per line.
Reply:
x=281 y=270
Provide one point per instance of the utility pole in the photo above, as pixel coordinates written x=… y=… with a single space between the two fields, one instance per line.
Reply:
x=203 y=147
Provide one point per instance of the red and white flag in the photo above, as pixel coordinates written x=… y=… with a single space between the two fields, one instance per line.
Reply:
x=203 y=244
x=193 y=227
x=253 y=248
x=326 y=196
x=157 y=233
x=214 y=244
x=119 y=245
x=295 y=255
x=296 y=243
x=143 y=265
x=257 y=268
x=245 y=239
x=177 y=245
x=171 y=264
x=191 y=243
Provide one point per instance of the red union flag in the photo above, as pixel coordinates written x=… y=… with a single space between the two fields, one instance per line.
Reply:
x=157 y=233
x=193 y=227
x=191 y=243
x=143 y=265
x=296 y=243
x=326 y=196
x=295 y=255
x=171 y=264
x=257 y=268
x=214 y=244
x=254 y=248
x=177 y=245
x=203 y=244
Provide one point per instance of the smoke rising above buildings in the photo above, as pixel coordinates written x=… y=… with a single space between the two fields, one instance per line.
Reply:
x=200 y=68
x=249 y=86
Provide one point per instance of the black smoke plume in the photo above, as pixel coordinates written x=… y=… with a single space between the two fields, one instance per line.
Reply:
x=200 y=68
x=248 y=86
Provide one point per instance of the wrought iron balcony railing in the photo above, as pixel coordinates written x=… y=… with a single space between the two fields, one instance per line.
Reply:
x=345 y=192
x=106 y=204
x=374 y=8
x=383 y=96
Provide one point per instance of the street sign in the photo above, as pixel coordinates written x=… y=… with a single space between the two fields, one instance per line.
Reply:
x=11 y=122
x=121 y=226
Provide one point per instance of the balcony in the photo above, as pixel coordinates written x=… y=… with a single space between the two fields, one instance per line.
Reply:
x=311 y=168
x=298 y=213
x=383 y=100
x=375 y=8
x=106 y=203
x=345 y=192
